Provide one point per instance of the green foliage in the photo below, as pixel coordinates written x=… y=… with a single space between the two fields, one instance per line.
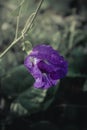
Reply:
x=16 y=81
x=30 y=100
x=50 y=97
x=17 y=84
x=27 y=46
x=78 y=63
x=33 y=100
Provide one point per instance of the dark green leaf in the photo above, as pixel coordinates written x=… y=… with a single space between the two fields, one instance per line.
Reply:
x=16 y=81
x=33 y=100
x=78 y=63
x=30 y=100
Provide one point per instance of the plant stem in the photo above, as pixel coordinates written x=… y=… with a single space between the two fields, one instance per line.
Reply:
x=18 y=18
x=34 y=17
x=10 y=46
x=27 y=29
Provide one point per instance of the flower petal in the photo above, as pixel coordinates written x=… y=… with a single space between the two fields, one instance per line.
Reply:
x=46 y=52
x=46 y=66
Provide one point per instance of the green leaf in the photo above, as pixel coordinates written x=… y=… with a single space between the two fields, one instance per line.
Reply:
x=51 y=93
x=78 y=63
x=34 y=100
x=18 y=108
x=16 y=81
x=30 y=100
x=27 y=99
x=27 y=47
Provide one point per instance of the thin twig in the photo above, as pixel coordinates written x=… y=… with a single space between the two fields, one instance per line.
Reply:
x=27 y=23
x=10 y=46
x=27 y=29
x=18 y=18
x=34 y=17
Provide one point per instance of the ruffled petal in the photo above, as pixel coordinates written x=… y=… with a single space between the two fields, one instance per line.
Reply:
x=46 y=52
x=46 y=66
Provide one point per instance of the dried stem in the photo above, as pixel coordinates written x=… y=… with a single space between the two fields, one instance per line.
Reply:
x=18 y=19
x=26 y=28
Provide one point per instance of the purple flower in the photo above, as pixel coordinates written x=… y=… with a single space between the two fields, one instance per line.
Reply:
x=46 y=66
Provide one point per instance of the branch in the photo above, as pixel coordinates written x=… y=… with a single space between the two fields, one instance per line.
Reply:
x=26 y=28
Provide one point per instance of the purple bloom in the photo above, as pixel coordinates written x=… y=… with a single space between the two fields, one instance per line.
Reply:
x=46 y=66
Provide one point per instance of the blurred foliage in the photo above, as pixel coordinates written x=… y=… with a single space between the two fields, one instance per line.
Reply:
x=31 y=100
x=17 y=85
x=16 y=81
x=62 y=24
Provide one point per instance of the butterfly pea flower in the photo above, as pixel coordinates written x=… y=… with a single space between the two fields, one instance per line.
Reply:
x=46 y=65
